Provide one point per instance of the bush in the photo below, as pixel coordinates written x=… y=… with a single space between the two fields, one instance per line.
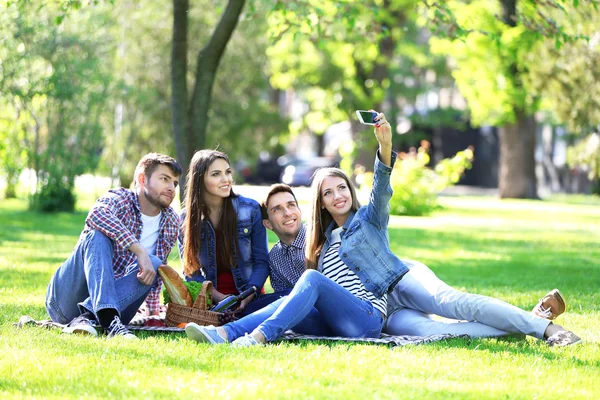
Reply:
x=416 y=186
x=54 y=198
x=586 y=155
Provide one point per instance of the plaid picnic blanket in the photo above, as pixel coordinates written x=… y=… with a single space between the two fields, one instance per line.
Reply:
x=137 y=324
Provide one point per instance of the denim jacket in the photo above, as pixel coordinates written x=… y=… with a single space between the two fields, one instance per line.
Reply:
x=365 y=246
x=252 y=264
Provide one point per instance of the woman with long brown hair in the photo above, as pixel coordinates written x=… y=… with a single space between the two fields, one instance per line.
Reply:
x=222 y=237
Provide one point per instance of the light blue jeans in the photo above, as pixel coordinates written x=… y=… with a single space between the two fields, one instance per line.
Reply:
x=421 y=293
x=86 y=282
x=316 y=306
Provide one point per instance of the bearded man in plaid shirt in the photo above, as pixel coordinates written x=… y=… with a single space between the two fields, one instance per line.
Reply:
x=128 y=234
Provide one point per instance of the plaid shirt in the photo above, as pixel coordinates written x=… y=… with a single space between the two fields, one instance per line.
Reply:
x=286 y=263
x=117 y=214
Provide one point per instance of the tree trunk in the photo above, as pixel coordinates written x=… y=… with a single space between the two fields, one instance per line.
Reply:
x=517 y=159
x=517 y=140
x=190 y=116
x=179 y=92
x=206 y=70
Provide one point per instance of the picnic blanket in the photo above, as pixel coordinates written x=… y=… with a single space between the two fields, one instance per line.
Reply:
x=137 y=324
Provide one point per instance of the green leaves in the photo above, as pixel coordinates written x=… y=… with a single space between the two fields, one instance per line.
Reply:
x=415 y=185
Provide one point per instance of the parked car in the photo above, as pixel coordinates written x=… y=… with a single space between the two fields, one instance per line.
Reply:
x=299 y=171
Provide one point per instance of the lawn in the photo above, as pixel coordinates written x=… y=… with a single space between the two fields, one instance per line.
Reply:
x=513 y=250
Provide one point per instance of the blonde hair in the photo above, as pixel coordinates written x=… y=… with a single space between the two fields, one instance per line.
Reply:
x=320 y=218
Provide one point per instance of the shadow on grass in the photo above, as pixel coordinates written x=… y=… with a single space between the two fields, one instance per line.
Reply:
x=518 y=347
x=513 y=345
x=17 y=223
x=24 y=281
x=11 y=312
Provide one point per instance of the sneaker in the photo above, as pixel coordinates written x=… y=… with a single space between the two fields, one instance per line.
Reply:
x=203 y=334
x=564 y=338
x=116 y=328
x=245 y=341
x=80 y=325
x=551 y=306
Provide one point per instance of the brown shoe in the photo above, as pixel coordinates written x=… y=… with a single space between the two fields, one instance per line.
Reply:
x=551 y=306
x=564 y=338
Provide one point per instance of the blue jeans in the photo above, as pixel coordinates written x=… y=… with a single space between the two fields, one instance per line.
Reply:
x=263 y=301
x=86 y=281
x=316 y=306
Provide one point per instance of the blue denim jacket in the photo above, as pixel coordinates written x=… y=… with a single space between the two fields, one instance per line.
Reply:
x=365 y=247
x=253 y=262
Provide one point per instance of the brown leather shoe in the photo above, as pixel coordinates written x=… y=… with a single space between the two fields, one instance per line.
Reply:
x=551 y=306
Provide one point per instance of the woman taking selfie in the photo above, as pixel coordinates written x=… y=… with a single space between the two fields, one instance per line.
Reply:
x=342 y=293
x=222 y=236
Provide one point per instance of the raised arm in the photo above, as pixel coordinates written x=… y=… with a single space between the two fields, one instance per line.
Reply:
x=383 y=133
x=378 y=210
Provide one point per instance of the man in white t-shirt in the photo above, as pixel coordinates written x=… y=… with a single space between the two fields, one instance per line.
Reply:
x=112 y=270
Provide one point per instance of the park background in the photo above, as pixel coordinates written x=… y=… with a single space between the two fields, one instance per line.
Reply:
x=500 y=97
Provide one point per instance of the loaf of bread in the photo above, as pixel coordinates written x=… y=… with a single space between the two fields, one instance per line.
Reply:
x=174 y=284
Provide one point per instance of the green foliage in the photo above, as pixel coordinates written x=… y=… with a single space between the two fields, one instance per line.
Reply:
x=506 y=70
x=343 y=56
x=56 y=78
x=486 y=62
x=13 y=145
x=567 y=79
x=586 y=155
x=416 y=186
x=54 y=197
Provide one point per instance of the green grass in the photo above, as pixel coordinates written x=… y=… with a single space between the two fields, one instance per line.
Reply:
x=513 y=250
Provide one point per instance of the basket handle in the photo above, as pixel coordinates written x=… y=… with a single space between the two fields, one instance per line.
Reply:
x=200 y=302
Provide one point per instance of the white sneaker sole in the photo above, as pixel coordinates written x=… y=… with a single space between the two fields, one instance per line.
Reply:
x=196 y=332
x=80 y=330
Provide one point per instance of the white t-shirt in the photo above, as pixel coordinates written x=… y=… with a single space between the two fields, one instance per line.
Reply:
x=150 y=228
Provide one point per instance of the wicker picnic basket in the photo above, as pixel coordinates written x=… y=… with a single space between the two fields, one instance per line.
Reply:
x=177 y=313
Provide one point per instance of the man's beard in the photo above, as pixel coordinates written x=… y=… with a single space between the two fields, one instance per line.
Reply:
x=155 y=200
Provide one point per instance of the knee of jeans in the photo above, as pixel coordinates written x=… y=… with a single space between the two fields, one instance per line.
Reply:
x=310 y=274
x=309 y=277
x=98 y=238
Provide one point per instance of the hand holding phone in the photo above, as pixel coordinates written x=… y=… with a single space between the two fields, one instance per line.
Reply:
x=367 y=117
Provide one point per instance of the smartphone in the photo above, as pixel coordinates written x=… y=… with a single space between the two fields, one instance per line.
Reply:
x=366 y=117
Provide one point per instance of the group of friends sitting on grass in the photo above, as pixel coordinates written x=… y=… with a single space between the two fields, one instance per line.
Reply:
x=333 y=276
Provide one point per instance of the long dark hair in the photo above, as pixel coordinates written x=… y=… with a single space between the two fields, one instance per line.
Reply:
x=197 y=210
x=320 y=218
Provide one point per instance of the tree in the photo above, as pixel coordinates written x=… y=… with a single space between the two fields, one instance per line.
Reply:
x=493 y=56
x=190 y=115
x=342 y=56
x=491 y=42
x=57 y=78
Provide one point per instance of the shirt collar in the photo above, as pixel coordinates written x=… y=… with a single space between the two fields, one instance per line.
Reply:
x=333 y=225
x=299 y=242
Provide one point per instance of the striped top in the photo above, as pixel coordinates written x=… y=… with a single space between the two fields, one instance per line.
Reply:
x=334 y=268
